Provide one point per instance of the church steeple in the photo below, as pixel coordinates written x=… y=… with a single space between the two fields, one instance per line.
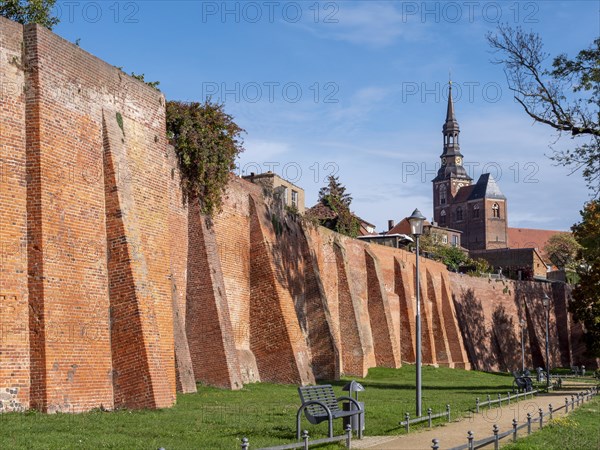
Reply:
x=451 y=157
x=451 y=129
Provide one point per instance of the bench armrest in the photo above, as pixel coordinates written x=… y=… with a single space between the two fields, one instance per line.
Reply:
x=303 y=408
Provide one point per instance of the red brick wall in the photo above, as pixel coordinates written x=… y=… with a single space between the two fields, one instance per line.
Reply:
x=14 y=310
x=75 y=184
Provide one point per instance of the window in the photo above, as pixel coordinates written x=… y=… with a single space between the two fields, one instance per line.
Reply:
x=455 y=241
x=443 y=218
x=443 y=194
x=445 y=239
x=495 y=211
x=294 y=198
x=476 y=211
x=459 y=213
x=285 y=195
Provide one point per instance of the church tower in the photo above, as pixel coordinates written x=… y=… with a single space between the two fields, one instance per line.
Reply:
x=452 y=175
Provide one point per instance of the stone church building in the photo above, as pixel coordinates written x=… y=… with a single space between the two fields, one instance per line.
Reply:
x=478 y=210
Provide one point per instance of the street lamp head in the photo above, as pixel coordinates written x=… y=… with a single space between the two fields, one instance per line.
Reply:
x=546 y=301
x=416 y=223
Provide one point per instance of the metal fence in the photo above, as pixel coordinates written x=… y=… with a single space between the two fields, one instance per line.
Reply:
x=407 y=422
x=305 y=443
x=496 y=436
x=479 y=404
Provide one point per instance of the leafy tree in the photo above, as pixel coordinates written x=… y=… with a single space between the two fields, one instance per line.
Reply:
x=453 y=257
x=564 y=97
x=207 y=142
x=562 y=249
x=334 y=191
x=335 y=198
x=585 y=305
x=29 y=11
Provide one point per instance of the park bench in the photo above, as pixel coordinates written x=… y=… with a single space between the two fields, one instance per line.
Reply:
x=319 y=404
x=522 y=383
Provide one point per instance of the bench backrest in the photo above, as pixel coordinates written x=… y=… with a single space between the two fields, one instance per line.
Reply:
x=323 y=393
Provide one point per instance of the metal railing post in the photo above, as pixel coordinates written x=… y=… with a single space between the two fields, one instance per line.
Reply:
x=245 y=444
x=528 y=424
x=566 y=405
x=541 y=413
x=477 y=405
x=515 y=424
x=429 y=416
x=572 y=402
x=500 y=400
x=436 y=444
x=489 y=404
x=496 y=440
x=348 y=436
x=508 y=395
x=550 y=409
x=305 y=439
x=448 y=412
x=470 y=440
x=406 y=421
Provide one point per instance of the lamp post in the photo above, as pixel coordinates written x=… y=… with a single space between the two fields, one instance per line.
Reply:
x=523 y=323
x=546 y=303
x=416 y=228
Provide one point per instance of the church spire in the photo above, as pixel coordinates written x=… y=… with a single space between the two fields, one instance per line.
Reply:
x=451 y=122
x=451 y=158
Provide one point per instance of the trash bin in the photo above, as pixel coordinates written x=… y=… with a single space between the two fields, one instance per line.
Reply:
x=354 y=387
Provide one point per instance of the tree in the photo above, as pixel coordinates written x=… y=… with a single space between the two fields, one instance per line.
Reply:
x=333 y=210
x=585 y=305
x=563 y=249
x=334 y=191
x=29 y=11
x=207 y=142
x=565 y=97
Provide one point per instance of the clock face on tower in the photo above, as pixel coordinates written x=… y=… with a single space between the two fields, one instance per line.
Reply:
x=458 y=160
x=443 y=161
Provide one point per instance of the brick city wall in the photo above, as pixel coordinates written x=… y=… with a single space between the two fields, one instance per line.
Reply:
x=115 y=291
x=86 y=314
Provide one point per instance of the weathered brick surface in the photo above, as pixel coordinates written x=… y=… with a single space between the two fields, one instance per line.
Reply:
x=14 y=309
x=276 y=338
x=64 y=211
x=489 y=312
x=208 y=323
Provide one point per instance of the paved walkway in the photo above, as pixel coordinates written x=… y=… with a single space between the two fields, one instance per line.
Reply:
x=455 y=433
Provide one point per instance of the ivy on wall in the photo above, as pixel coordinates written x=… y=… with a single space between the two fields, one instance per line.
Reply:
x=207 y=142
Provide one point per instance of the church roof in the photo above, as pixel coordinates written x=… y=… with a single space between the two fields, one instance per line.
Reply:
x=464 y=193
x=530 y=237
x=486 y=187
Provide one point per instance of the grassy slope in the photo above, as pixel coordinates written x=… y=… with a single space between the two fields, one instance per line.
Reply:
x=265 y=413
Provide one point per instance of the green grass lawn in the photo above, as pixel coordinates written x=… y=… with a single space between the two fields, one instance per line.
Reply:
x=265 y=413
x=580 y=430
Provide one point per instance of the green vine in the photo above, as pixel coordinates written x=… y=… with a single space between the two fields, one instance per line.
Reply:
x=207 y=142
x=120 y=122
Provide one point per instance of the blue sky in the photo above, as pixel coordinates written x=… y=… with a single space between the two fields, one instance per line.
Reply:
x=355 y=88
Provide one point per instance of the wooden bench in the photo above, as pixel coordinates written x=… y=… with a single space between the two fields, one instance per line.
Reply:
x=319 y=403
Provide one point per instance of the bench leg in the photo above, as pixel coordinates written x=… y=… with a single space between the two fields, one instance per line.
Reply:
x=361 y=418
x=330 y=422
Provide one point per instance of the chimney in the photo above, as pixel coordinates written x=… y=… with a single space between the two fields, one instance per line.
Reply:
x=390 y=224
